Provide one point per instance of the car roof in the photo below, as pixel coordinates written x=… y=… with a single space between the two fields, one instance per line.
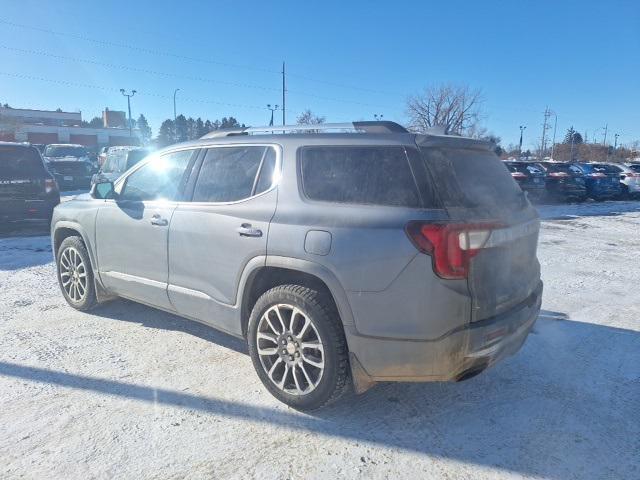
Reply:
x=65 y=145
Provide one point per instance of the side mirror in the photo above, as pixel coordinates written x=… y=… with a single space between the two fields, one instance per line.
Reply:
x=103 y=190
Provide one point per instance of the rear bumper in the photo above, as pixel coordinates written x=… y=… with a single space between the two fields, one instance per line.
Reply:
x=454 y=356
x=27 y=209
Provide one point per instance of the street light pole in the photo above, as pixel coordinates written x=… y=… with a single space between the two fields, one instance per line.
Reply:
x=522 y=129
x=273 y=109
x=378 y=117
x=555 y=125
x=174 y=104
x=129 y=95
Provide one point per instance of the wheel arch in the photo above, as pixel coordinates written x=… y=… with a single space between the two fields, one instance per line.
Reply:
x=284 y=270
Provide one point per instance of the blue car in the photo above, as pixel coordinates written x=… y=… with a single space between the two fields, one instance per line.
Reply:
x=602 y=180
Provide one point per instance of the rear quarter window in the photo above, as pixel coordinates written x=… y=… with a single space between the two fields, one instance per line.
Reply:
x=473 y=178
x=358 y=175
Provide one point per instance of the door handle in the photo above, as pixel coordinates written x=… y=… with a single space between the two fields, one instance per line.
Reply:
x=159 y=221
x=246 y=230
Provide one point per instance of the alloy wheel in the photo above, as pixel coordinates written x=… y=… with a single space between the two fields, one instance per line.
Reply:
x=73 y=274
x=290 y=349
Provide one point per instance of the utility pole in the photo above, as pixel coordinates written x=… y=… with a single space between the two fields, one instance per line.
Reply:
x=545 y=127
x=378 y=117
x=174 y=105
x=273 y=109
x=129 y=95
x=615 y=143
x=604 y=141
x=284 y=89
x=522 y=129
x=553 y=143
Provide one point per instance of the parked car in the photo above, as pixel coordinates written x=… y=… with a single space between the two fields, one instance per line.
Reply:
x=342 y=258
x=634 y=166
x=602 y=181
x=564 y=181
x=629 y=180
x=118 y=162
x=70 y=164
x=27 y=189
x=530 y=177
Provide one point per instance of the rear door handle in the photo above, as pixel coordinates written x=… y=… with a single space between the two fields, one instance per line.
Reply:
x=246 y=230
x=159 y=221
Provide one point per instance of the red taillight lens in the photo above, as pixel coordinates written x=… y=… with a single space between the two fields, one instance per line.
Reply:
x=50 y=185
x=519 y=175
x=451 y=246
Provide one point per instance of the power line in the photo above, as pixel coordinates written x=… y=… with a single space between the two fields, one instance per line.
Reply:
x=173 y=75
x=111 y=89
x=186 y=57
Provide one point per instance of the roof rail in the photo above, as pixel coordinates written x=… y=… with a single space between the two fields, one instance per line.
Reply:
x=366 y=127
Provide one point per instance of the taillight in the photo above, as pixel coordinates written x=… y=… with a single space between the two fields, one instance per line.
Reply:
x=50 y=185
x=451 y=246
x=558 y=174
x=519 y=175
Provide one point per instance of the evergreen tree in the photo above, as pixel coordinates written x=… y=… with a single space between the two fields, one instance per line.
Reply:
x=200 y=128
x=181 y=128
x=573 y=134
x=208 y=126
x=145 y=129
x=167 y=133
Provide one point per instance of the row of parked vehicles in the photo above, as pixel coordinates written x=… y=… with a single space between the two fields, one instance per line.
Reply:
x=32 y=176
x=559 y=181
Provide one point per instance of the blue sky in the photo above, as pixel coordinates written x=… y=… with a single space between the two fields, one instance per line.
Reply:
x=347 y=60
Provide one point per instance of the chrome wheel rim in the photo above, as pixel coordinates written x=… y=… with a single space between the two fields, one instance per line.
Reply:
x=290 y=349
x=73 y=274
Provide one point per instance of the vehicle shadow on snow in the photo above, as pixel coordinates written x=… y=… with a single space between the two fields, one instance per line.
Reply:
x=563 y=407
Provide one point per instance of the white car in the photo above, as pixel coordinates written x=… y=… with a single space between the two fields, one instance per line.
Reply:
x=629 y=179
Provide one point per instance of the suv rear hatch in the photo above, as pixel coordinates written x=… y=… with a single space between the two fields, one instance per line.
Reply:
x=23 y=178
x=494 y=214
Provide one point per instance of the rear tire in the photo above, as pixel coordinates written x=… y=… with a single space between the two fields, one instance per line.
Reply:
x=75 y=274
x=298 y=348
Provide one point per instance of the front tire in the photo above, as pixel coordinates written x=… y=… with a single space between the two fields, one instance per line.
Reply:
x=297 y=346
x=75 y=274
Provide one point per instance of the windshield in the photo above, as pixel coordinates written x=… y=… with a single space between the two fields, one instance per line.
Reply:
x=65 y=151
x=116 y=162
x=19 y=162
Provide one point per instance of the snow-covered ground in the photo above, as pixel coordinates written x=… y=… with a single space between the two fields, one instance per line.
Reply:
x=131 y=392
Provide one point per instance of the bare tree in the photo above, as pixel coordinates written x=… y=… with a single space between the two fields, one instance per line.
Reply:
x=454 y=108
x=309 y=118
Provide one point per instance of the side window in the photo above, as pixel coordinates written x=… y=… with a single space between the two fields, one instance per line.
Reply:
x=228 y=174
x=266 y=178
x=361 y=175
x=159 y=179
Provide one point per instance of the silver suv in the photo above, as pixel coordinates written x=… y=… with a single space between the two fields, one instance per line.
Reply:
x=345 y=255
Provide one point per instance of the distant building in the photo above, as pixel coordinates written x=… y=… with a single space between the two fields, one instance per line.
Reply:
x=45 y=126
x=114 y=119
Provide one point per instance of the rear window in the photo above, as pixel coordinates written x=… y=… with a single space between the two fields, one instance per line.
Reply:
x=19 y=162
x=359 y=175
x=65 y=151
x=562 y=168
x=526 y=168
x=474 y=179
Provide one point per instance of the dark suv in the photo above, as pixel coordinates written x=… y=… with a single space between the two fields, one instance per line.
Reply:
x=530 y=176
x=564 y=181
x=27 y=189
x=371 y=254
